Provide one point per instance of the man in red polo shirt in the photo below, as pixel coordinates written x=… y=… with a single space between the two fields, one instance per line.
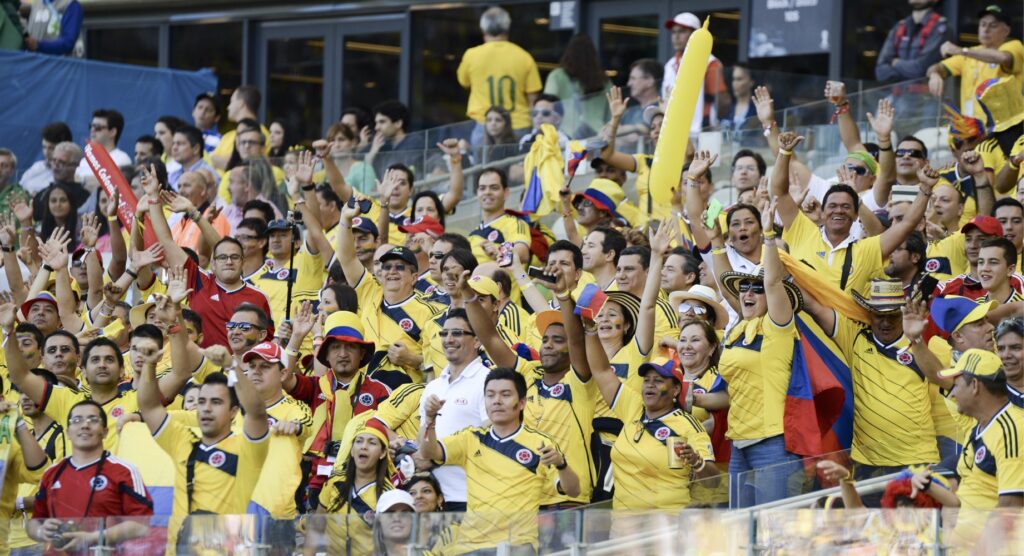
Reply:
x=89 y=483
x=216 y=294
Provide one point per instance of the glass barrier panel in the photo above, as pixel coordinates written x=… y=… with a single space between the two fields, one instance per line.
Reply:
x=711 y=492
x=864 y=531
x=782 y=480
x=76 y=536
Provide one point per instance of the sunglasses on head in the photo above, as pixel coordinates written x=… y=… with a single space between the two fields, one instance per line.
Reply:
x=859 y=170
x=912 y=153
x=543 y=112
x=756 y=287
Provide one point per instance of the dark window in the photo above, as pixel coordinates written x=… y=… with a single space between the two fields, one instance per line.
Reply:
x=139 y=45
x=217 y=46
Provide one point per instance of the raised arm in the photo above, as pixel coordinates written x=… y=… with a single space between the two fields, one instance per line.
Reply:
x=973 y=164
x=822 y=314
x=55 y=255
x=317 y=243
x=915 y=322
x=617 y=107
x=530 y=293
x=779 y=309
x=892 y=238
x=334 y=176
x=345 y=246
x=835 y=92
x=302 y=323
x=574 y=335
x=17 y=367
x=173 y=254
x=765 y=107
x=181 y=204
x=430 y=448
x=601 y=369
x=33 y=455
x=786 y=206
x=1007 y=176
x=185 y=355
x=484 y=327
x=660 y=244
x=453 y=196
x=255 y=422
x=8 y=236
x=572 y=231
x=88 y=235
x=118 y=247
x=150 y=404
x=695 y=206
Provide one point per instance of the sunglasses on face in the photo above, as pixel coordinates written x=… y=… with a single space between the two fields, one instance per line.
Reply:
x=242 y=326
x=912 y=153
x=859 y=170
x=687 y=307
x=756 y=287
x=79 y=419
x=397 y=267
x=543 y=112
x=437 y=255
x=454 y=333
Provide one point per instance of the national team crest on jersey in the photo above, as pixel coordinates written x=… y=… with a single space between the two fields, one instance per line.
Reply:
x=366 y=399
x=932 y=265
x=905 y=358
x=406 y=324
x=557 y=390
x=282 y=274
x=217 y=459
x=524 y=456
x=980 y=454
x=662 y=433
x=99 y=482
x=117 y=412
x=493 y=236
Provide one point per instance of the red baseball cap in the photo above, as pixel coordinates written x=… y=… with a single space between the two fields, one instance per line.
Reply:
x=424 y=224
x=268 y=351
x=987 y=224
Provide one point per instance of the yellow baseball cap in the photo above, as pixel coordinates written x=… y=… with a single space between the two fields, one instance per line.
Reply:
x=976 y=362
x=485 y=286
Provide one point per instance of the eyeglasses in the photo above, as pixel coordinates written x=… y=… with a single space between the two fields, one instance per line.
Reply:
x=756 y=287
x=242 y=326
x=437 y=255
x=455 y=333
x=912 y=153
x=686 y=307
x=226 y=258
x=397 y=267
x=98 y=127
x=63 y=349
x=249 y=143
x=859 y=170
x=542 y=112
x=91 y=419
x=246 y=237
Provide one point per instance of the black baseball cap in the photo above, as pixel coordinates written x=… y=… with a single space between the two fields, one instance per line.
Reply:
x=402 y=254
x=995 y=11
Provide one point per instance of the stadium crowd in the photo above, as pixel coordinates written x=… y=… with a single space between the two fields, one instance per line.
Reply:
x=293 y=332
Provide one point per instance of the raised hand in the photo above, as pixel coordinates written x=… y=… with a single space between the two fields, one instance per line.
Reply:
x=150 y=183
x=212 y=213
x=177 y=284
x=713 y=231
x=55 y=250
x=7 y=310
x=789 y=140
x=323 y=147
x=90 y=230
x=432 y=406
x=845 y=175
x=219 y=355
x=881 y=123
x=616 y=104
x=165 y=310
x=768 y=215
x=146 y=257
x=702 y=161
x=972 y=163
x=928 y=177
x=915 y=317
x=8 y=231
x=112 y=293
x=835 y=92
x=303 y=320
x=661 y=240
x=177 y=203
x=350 y=212
x=764 y=105
x=22 y=211
x=113 y=203
x=304 y=168
x=565 y=195
x=450 y=147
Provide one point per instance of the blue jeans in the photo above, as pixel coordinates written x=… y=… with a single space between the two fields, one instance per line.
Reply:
x=782 y=477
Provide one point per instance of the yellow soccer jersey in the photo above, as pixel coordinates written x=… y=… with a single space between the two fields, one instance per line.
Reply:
x=807 y=242
x=947 y=257
x=757 y=381
x=499 y=73
x=16 y=473
x=401 y=411
x=991 y=465
x=640 y=457
x=225 y=473
x=565 y=412
x=395 y=236
x=281 y=475
x=892 y=411
x=626 y=365
x=974 y=72
x=227 y=143
x=52 y=441
x=503 y=229
x=349 y=518
x=707 y=383
x=58 y=400
x=516 y=325
x=410 y=321
x=1018 y=146
x=505 y=484
x=309 y=273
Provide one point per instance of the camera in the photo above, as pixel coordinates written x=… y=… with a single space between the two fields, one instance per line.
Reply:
x=57 y=540
x=294 y=217
x=364 y=205
x=331 y=449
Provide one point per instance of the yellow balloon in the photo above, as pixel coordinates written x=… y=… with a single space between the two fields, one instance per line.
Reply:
x=675 y=128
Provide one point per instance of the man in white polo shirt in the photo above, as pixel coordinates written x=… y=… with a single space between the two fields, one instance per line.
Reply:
x=459 y=392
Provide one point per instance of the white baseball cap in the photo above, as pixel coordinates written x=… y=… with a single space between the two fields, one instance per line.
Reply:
x=684 y=19
x=393 y=498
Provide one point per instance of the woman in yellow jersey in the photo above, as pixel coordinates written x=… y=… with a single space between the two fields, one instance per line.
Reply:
x=756 y=363
x=351 y=496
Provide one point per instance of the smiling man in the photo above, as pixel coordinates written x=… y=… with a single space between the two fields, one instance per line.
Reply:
x=497 y=227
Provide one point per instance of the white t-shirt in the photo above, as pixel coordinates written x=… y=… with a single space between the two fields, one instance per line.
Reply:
x=119 y=157
x=463 y=407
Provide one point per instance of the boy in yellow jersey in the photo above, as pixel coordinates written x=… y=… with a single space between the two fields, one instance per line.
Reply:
x=559 y=400
x=510 y=468
x=291 y=423
x=397 y=321
x=21 y=465
x=847 y=262
x=892 y=423
x=216 y=469
x=991 y=468
x=499 y=73
x=496 y=226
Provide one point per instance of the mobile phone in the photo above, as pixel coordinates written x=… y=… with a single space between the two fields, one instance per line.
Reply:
x=926 y=287
x=505 y=254
x=714 y=209
x=364 y=204
x=538 y=273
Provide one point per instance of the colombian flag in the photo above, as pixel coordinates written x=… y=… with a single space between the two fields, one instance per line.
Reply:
x=577 y=152
x=543 y=165
x=818 y=416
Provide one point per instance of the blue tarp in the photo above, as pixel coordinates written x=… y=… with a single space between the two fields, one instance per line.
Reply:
x=41 y=89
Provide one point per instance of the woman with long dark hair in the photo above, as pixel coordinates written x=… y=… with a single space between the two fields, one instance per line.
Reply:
x=280 y=142
x=59 y=211
x=580 y=82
